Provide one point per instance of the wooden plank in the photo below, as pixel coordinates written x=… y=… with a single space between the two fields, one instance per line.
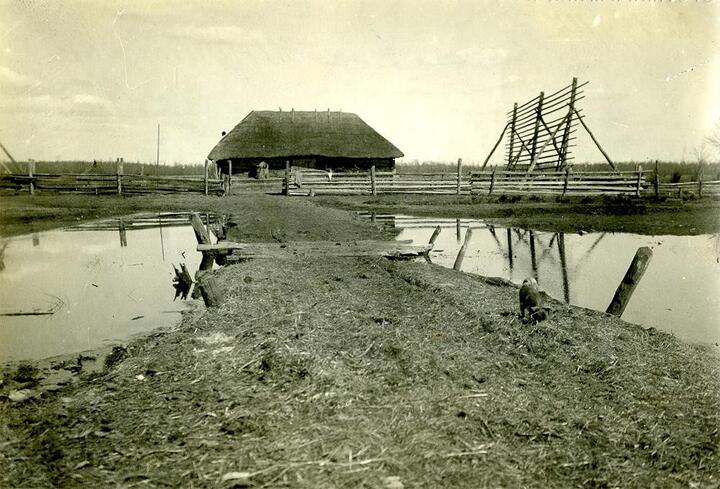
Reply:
x=630 y=281
x=317 y=248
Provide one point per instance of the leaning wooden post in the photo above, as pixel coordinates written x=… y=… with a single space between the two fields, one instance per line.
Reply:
x=459 y=175
x=373 y=182
x=119 y=168
x=638 y=187
x=434 y=236
x=632 y=278
x=206 y=176
x=657 y=181
x=492 y=180
x=31 y=182
x=567 y=179
x=463 y=248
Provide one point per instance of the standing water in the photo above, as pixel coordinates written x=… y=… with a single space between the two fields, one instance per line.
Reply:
x=81 y=288
x=679 y=293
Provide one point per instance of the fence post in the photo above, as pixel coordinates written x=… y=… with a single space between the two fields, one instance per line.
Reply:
x=699 y=189
x=567 y=178
x=492 y=180
x=229 y=184
x=657 y=181
x=639 y=180
x=632 y=278
x=463 y=248
x=459 y=175
x=31 y=169
x=373 y=184
x=206 y=176
x=119 y=172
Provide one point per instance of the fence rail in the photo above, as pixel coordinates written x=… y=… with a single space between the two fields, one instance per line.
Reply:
x=700 y=188
x=109 y=184
x=496 y=182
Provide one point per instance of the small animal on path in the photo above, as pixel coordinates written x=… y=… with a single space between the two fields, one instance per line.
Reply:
x=532 y=301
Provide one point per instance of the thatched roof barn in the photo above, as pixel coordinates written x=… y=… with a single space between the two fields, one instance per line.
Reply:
x=323 y=140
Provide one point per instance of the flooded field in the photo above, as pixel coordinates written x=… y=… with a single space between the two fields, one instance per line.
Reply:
x=680 y=292
x=85 y=287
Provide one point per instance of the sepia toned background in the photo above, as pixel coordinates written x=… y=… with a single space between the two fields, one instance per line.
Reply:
x=91 y=79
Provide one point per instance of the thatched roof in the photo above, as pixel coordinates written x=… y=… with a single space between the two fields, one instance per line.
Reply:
x=275 y=134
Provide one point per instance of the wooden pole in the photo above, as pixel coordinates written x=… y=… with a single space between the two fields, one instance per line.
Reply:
x=434 y=236
x=31 y=183
x=632 y=278
x=512 y=133
x=657 y=181
x=592 y=136
x=562 y=161
x=373 y=183
x=230 y=172
x=567 y=179
x=497 y=143
x=201 y=233
x=458 y=233
x=206 y=176
x=537 y=155
x=119 y=172
x=459 y=175
x=463 y=248
x=638 y=186
x=123 y=233
x=538 y=112
x=492 y=181
x=699 y=189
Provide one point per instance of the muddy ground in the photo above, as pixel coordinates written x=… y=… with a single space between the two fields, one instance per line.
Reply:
x=318 y=372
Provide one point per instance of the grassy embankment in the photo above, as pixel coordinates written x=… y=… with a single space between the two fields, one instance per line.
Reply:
x=370 y=373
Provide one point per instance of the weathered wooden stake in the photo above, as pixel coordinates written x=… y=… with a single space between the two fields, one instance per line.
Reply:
x=434 y=236
x=373 y=183
x=463 y=248
x=200 y=232
x=459 y=175
x=458 y=234
x=632 y=278
x=492 y=181
x=638 y=186
x=699 y=189
x=31 y=169
x=119 y=167
x=229 y=180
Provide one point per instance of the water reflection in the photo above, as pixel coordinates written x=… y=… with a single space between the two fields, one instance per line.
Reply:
x=112 y=277
x=680 y=291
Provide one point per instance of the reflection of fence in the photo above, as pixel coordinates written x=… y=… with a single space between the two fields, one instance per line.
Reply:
x=108 y=184
x=480 y=183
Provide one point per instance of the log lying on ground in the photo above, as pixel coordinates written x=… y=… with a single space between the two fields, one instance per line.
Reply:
x=391 y=249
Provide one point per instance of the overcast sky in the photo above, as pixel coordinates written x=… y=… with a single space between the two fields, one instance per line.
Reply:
x=91 y=79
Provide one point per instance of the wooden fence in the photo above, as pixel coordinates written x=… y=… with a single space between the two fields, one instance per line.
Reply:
x=496 y=182
x=697 y=189
x=559 y=183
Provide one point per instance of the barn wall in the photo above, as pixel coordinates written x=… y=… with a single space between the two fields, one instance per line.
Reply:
x=247 y=165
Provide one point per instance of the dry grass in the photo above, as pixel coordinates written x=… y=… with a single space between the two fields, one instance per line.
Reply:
x=369 y=373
